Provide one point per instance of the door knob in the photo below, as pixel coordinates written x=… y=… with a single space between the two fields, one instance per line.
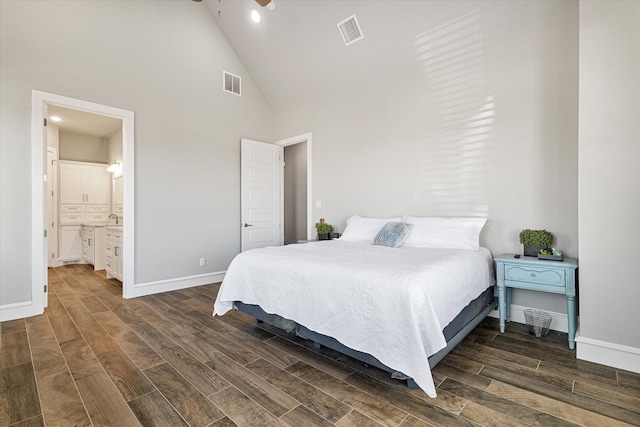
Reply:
x=248 y=225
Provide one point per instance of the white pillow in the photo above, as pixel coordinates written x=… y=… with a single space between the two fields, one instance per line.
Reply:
x=452 y=233
x=361 y=229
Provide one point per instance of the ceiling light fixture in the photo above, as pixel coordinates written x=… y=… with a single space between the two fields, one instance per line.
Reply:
x=255 y=16
x=270 y=4
x=55 y=119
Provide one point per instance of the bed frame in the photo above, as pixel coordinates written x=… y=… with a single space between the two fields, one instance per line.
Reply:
x=454 y=332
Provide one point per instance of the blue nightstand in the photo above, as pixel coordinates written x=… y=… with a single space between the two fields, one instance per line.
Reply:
x=558 y=277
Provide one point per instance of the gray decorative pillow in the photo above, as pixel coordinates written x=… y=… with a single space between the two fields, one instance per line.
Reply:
x=393 y=234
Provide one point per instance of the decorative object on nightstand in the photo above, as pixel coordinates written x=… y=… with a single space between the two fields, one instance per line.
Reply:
x=558 y=277
x=552 y=254
x=324 y=230
x=535 y=240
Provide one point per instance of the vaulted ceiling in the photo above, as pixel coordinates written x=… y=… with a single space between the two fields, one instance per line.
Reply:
x=297 y=55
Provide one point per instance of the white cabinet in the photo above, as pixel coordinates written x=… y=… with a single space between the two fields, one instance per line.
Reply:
x=84 y=193
x=71 y=214
x=113 y=252
x=96 y=185
x=71 y=178
x=93 y=246
x=86 y=183
x=70 y=241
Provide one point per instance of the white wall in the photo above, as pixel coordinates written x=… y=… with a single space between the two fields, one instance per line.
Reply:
x=493 y=132
x=114 y=148
x=163 y=60
x=609 y=180
x=53 y=136
x=83 y=148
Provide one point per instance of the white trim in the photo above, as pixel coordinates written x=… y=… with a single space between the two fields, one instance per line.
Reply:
x=608 y=353
x=39 y=270
x=150 y=288
x=306 y=137
x=54 y=182
x=559 y=321
x=128 y=213
x=39 y=249
x=18 y=310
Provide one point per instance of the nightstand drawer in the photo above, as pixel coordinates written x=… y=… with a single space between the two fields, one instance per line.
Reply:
x=543 y=276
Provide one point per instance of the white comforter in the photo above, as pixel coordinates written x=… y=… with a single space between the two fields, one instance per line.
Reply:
x=389 y=302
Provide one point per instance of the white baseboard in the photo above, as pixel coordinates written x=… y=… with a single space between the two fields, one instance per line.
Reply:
x=18 y=310
x=21 y=310
x=607 y=353
x=150 y=288
x=558 y=320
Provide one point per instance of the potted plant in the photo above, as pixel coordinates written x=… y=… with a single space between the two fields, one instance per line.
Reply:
x=324 y=231
x=535 y=240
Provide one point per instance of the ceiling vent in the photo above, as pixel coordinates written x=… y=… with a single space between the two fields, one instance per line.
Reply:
x=231 y=83
x=350 y=30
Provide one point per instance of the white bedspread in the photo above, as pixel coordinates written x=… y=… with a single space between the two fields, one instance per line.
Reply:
x=389 y=302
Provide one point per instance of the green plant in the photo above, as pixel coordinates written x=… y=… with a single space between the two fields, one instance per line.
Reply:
x=324 y=228
x=536 y=237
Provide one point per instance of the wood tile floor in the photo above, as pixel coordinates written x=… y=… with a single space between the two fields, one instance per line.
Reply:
x=96 y=359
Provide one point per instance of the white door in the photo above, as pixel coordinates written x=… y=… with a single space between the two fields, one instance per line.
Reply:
x=52 y=192
x=96 y=185
x=71 y=188
x=261 y=172
x=44 y=167
x=70 y=242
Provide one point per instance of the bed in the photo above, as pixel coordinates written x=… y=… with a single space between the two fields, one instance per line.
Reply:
x=400 y=308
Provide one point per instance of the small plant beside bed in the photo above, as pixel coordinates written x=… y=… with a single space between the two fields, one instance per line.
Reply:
x=535 y=240
x=324 y=231
x=537 y=243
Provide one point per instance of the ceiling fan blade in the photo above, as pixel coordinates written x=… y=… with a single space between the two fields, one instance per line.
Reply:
x=263 y=3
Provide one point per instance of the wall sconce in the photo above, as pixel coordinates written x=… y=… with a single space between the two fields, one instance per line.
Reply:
x=114 y=167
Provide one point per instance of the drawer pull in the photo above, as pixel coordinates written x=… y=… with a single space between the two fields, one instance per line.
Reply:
x=533 y=274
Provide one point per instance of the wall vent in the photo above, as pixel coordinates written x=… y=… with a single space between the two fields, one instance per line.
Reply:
x=350 y=30
x=231 y=83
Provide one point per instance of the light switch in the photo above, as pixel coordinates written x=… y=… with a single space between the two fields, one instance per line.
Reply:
x=318 y=204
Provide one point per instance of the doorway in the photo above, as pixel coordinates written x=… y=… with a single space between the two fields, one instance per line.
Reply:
x=295 y=193
x=80 y=146
x=40 y=211
x=297 y=214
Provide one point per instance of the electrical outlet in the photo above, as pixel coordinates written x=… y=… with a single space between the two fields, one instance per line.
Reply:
x=203 y=262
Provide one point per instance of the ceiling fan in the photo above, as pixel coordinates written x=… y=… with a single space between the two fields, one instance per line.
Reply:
x=270 y=4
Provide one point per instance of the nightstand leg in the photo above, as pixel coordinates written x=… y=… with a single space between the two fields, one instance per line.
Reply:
x=571 y=316
x=508 y=307
x=501 y=303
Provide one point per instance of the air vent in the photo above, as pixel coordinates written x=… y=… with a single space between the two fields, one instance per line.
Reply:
x=231 y=83
x=350 y=30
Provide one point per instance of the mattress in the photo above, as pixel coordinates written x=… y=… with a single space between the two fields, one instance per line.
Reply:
x=471 y=312
x=396 y=301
